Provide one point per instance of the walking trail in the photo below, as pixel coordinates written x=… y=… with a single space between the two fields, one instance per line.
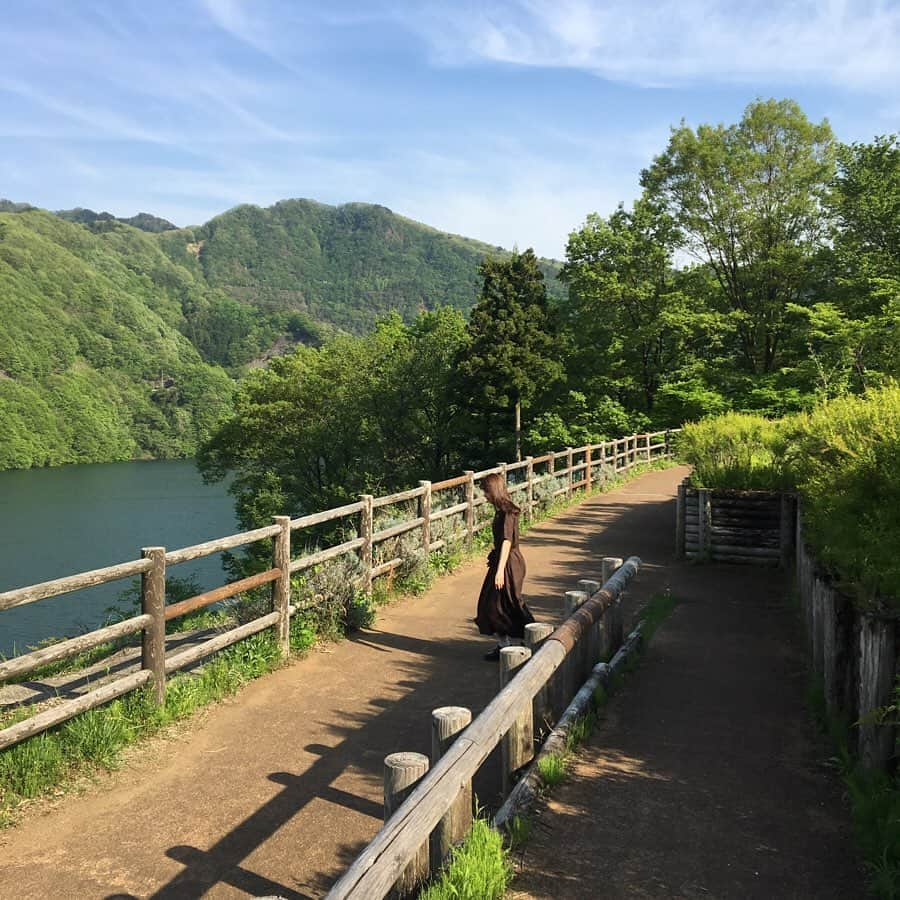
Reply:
x=704 y=779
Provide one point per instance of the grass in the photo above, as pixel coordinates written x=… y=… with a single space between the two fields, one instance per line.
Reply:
x=93 y=741
x=552 y=768
x=874 y=799
x=479 y=869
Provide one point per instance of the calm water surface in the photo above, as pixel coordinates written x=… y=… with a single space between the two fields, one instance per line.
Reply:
x=56 y=522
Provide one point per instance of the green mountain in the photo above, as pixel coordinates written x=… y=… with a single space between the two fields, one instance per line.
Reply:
x=120 y=342
x=93 y=364
x=342 y=265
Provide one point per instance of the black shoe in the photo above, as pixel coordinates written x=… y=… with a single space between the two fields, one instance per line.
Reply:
x=493 y=655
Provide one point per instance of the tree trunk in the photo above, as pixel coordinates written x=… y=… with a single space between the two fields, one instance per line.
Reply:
x=518 y=430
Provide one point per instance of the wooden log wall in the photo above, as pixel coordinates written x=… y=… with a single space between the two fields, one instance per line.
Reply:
x=855 y=654
x=576 y=468
x=752 y=527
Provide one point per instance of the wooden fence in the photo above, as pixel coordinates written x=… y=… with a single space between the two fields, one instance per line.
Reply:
x=437 y=506
x=856 y=654
x=755 y=527
x=428 y=802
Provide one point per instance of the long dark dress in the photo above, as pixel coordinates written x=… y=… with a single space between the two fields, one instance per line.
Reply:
x=503 y=611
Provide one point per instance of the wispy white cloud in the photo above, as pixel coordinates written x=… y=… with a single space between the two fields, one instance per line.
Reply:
x=845 y=43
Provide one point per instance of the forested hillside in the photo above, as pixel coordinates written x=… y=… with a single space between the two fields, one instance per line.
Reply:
x=93 y=366
x=120 y=341
x=343 y=265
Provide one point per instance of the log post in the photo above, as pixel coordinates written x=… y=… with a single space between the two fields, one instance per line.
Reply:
x=402 y=771
x=529 y=489
x=680 y=515
x=569 y=477
x=786 y=529
x=647 y=441
x=615 y=623
x=281 y=588
x=153 y=637
x=703 y=523
x=446 y=723
x=542 y=709
x=876 y=681
x=551 y=465
x=668 y=446
x=579 y=653
x=587 y=470
x=365 y=551
x=425 y=515
x=590 y=587
x=470 y=506
x=517 y=745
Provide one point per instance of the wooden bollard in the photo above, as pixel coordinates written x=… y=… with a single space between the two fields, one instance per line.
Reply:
x=153 y=603
x=615 y=625
x=542 y=711
x=590 y=587
x=402 y=771
x=577 y=659
x=281 y=588
x=446 y=723
x=517 y=746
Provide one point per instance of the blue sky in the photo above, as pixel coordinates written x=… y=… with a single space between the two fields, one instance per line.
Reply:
x=504 y=121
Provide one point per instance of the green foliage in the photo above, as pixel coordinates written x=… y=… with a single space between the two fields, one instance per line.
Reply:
x=92 y=365
x=512 y=355
x=347 y=265
x=552 y=768
x=479 y=868
x=747 y=198
x=843 y=458
x=735 y=451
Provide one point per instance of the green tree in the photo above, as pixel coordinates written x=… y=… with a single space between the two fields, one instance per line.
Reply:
x=513 y=355
x=747 y=198
x=631 y=320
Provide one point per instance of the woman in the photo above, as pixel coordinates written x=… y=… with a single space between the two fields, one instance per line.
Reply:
x=501 y=610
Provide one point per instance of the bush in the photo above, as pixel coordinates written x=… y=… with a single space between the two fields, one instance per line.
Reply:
x=736 y=451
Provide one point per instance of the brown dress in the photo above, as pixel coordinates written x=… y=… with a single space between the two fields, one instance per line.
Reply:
x=503 y=611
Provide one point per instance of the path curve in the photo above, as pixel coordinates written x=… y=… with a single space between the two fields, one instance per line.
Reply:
x=276 y=790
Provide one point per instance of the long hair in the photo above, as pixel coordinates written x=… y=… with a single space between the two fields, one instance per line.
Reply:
x=494 y=487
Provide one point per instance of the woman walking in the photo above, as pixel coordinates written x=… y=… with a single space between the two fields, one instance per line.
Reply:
x=501 y=610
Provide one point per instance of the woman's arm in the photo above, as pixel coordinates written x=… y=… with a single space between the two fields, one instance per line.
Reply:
x=499 y=579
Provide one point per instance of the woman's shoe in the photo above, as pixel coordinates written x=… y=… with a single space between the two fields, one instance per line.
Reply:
x=493 y=655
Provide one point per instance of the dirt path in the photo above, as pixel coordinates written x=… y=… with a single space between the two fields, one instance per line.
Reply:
x=705 y=777
x=275 y=791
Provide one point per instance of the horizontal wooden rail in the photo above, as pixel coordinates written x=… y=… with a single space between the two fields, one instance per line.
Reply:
x=449 y=483
x=28 y=662
x=395 y=530
x=219 y=642
x=223 y=593
x=175 y=557
x=399 y=497
x=449 y=511
x=327 y=516
x=20 y=596
x=15 y=734
x=314 y=559
x=387 y=566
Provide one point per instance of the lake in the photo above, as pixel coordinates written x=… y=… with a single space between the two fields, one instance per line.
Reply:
x=60 y=521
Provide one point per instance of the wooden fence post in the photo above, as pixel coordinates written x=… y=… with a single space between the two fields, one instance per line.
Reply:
x=402 y=771
x=647 y=442
x=529 y=490
x=153 y=637
x=542 y=712
x=680 y=515
x=587 y=470
x=590 y=587
x=425 y=513
x=365 y=551
x=281 y=588
x=616 y=624
x=703 y=522
x=569 y=477
x=517 y=746
x=551 y=464
x=446 y=723
x=470 y=506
